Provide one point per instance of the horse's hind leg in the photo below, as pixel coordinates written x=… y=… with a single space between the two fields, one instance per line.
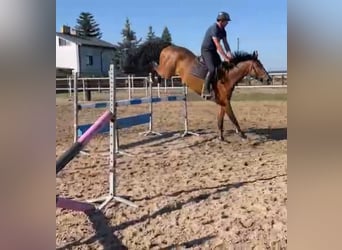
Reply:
x=220 y=117
x=155 y=73
x=159 y=79
x=233 y=119
x=161 y=73
x=154 y=76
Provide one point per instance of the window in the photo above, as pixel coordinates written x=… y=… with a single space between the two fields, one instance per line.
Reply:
x=89 y=60
x=63 y=42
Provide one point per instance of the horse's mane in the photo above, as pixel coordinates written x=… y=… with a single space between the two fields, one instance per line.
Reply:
x=241 y=56
x=238 y=56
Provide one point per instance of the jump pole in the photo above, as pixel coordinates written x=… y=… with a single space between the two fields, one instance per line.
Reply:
x=81 y=142
x=74 y=205
x=76 y=110
x=112 y=148
x=186 y=131
x=75 y=106
x=68 y=155
x=150 y=130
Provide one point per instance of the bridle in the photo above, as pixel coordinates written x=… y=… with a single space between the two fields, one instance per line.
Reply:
x=252 y=69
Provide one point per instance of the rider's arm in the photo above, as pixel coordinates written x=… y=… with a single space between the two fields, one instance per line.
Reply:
x=220 y=49
x=226 y=45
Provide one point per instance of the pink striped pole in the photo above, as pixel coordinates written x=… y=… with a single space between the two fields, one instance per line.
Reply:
x=74 y=205
x=68 y=155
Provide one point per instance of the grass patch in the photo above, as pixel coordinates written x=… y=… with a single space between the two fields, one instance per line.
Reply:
x=259 y=97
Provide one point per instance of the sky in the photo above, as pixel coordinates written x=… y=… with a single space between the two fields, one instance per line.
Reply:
x=258 y=25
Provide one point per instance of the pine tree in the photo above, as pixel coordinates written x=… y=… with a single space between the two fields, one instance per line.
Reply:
x=87 y=26
x=150 y=35
x=129 y=38
x=127 y=47
x=166 y=36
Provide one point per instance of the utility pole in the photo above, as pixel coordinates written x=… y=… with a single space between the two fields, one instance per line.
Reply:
x=238 y=44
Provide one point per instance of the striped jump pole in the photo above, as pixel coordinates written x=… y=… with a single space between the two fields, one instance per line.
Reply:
x=186 y=122
x=76 y=110
x=68 y=155
x=64 y=159
x=112 y=148
x=75 y=106
x=139 y=119
x=74 y=205
x=150 y=125
x=129 y=86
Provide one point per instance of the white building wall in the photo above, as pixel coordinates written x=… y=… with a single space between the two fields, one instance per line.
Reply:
x=66 y=56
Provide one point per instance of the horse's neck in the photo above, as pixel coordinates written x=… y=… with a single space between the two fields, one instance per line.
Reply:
x=237 y=73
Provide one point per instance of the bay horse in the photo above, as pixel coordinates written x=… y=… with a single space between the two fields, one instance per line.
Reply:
x=175 y=60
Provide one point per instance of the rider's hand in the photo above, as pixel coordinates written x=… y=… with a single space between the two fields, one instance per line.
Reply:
x=229 y=55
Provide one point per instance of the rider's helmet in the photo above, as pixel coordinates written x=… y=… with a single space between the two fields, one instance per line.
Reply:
x=224 y=16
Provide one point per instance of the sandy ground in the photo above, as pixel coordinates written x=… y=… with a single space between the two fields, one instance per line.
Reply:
x=193 y=192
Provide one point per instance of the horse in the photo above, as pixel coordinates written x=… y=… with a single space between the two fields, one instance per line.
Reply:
x=176 y=60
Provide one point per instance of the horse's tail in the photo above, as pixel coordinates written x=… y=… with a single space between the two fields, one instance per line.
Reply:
x=154 y=64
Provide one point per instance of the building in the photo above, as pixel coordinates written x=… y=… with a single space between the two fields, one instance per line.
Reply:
x=90 y=57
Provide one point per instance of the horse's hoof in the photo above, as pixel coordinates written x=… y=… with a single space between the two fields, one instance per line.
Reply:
x=243 y=135
x=207 y=98
x=220 y=139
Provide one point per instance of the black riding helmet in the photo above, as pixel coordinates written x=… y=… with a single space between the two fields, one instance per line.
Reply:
x=224 y=16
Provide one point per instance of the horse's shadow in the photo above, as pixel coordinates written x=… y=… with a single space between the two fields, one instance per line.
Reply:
x=270 y=134
x=256 y=135
x=264 y=134
x=162 y=139
x=152 y=139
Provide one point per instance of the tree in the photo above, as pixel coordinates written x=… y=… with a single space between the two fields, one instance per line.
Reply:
x=129 y=38
x=127 y=48
x=166 y=36
x=87 y=26
x=150 y=35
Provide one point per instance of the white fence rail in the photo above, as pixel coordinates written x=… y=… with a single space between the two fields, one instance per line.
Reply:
x=131 y=83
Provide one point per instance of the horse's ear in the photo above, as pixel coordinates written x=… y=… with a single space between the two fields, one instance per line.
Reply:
x=255 y=54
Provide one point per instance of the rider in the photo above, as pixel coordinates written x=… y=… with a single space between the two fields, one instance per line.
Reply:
x=211 y=45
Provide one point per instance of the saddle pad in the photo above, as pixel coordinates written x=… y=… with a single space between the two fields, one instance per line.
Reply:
x=199 y=69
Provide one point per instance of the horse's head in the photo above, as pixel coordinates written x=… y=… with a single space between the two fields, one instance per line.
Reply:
x=244 y=64
x=258 y=71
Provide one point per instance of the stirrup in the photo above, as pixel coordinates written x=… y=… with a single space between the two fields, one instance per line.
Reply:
x=207 y=96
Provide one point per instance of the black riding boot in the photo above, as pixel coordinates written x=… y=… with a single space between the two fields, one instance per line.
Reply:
x=206 y=85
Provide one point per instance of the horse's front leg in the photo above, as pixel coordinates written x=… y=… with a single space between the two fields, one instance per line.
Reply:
x=232 y=117
x=220 y=117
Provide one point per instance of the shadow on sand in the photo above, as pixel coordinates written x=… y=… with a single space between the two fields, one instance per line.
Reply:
x=178 y=205
x=104 y=233
x=158 y=140
x=271 y=134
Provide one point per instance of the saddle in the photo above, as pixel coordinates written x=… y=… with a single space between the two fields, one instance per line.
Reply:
x=199 y=68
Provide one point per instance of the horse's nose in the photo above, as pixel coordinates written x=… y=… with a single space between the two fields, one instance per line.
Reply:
x=265 y=81
x=269 y=80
